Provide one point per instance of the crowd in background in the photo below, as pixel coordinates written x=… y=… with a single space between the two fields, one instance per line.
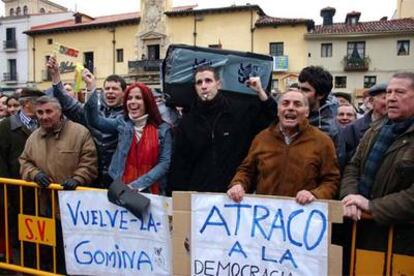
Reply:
x=308 y=142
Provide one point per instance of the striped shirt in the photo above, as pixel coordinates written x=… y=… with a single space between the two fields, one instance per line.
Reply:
x=27 y=121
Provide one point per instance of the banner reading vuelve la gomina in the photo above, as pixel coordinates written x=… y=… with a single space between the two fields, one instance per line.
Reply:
x=101 y=238
x=258 y=236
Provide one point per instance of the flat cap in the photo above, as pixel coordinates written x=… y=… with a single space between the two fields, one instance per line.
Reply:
x=31 y=92
x=344 y=95
x=377 y=89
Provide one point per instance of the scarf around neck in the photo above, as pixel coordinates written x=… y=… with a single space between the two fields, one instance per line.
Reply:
x=143 y=155
x=139 y=125
x=386 y=136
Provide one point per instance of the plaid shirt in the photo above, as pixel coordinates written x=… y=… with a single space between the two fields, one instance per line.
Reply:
x=27 y=121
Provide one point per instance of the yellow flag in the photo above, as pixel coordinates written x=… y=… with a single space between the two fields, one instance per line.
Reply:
x=78 y=77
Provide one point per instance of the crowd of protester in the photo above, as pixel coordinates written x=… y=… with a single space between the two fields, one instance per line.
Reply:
x=309 y=143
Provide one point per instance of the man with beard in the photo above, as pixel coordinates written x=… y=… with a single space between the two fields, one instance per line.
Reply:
x=316 y=83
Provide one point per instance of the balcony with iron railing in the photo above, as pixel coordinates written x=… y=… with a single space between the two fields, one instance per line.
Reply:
x=141 y=66
x=10 y=45
x=356 y=63
x=10 y=77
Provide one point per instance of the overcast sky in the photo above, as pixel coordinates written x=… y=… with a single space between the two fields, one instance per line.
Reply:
x=370 y=9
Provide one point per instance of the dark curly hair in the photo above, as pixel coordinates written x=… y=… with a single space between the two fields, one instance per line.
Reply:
x=318 y=78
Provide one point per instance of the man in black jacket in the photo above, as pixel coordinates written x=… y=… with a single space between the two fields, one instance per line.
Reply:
x=214 y=137
x=14 y=131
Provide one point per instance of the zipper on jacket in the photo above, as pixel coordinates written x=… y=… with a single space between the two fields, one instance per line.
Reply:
x=213 y=136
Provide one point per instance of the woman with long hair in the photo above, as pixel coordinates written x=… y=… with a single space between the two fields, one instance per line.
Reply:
x=142 y=157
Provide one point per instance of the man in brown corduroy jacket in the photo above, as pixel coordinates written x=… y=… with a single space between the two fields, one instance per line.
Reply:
x=291 y=158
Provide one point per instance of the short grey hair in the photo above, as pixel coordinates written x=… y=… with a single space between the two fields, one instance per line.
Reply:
x=290 y=90
x=48 y=99
x=405 y=75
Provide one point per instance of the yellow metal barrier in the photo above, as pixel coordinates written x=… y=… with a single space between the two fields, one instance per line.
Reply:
x=384 y=263
x=373 y=262
x=32 y=228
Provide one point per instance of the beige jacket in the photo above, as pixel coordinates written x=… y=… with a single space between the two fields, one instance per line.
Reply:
x=67 y=153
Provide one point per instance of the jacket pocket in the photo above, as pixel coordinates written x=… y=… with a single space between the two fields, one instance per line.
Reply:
x=311 y=170
x=68 y=159
x=405 y=174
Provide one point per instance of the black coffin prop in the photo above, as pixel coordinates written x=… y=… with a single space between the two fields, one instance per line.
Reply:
x=234 y=68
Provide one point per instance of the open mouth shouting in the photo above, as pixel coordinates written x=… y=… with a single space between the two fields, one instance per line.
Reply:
x=135 y=110
x=111 y=99
x=290 y=117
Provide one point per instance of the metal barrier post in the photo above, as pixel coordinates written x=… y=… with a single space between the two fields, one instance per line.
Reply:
x=21 y=212
x=6 y=226
x=37 y=214
x=53 y=217
x=353 y=249
x=389 y=251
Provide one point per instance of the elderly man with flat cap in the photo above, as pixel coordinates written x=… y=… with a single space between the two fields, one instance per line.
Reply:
x=14 y=131
x=351 y=134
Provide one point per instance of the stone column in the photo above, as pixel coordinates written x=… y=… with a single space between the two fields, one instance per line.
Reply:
x=152 y=28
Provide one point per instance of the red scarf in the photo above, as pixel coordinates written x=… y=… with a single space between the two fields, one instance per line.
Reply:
x=143 y=156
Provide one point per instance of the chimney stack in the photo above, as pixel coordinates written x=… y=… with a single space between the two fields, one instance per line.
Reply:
x=352 y=18
x=327 y=15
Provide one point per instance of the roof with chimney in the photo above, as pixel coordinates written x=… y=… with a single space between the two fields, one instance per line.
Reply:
x=371 y=27
x=266 y=20
x=353 y=27
x=234 y=8
x=86 y=22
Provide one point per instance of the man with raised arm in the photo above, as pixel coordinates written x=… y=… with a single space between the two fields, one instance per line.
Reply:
x=110 y=107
